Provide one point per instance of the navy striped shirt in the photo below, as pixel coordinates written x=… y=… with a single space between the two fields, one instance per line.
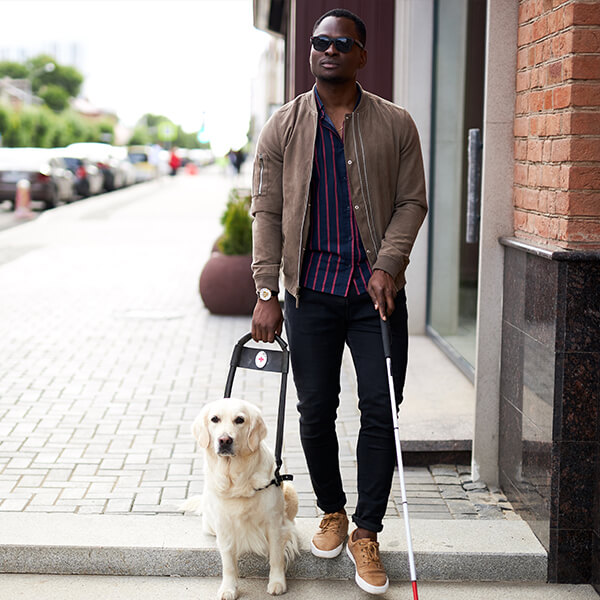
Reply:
x=335 y=261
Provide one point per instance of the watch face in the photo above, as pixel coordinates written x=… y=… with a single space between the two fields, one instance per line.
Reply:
x=265 y=294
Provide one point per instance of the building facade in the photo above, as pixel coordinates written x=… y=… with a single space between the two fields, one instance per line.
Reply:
x=506 y=281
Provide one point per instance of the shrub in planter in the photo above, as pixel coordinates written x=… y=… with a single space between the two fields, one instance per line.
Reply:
x=226 y=284
x=237 y=225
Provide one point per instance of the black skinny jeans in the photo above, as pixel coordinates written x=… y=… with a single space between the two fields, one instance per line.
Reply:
x=317 y=331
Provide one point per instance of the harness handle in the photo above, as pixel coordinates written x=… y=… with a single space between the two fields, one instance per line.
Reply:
x=258 y=359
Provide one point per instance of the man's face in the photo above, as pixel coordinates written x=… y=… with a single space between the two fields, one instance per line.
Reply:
x=333 y=65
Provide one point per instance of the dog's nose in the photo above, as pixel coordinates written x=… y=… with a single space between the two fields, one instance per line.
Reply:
x=225 y=441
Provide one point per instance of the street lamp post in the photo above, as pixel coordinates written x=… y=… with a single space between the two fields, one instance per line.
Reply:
x=49 y=67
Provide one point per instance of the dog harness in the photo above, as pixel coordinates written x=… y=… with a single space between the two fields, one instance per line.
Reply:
x=264 y=360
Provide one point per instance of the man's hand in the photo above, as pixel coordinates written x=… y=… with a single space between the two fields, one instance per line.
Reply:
x=382 y=290
x=267 y=320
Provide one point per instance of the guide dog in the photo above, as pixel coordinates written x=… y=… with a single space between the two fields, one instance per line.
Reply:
x=242 y=503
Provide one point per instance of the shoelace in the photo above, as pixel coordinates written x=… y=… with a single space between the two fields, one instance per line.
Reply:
x=329 y=522
x=370 y=551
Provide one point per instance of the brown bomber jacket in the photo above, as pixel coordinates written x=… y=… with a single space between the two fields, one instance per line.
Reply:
x=385 y=174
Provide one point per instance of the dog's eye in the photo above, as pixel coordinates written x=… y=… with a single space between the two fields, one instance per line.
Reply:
x=215 y=419
x=239 y=420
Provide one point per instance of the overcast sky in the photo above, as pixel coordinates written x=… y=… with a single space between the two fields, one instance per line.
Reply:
x=180 y=58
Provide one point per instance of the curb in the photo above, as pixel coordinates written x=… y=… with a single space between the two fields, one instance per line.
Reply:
x=174 y=546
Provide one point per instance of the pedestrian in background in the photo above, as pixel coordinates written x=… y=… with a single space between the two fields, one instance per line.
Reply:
x=174 y=160
x=236 y=158
x=154 y=159
x=338 y=198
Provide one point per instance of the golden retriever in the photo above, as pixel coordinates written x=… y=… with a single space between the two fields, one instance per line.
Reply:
x=240 y=504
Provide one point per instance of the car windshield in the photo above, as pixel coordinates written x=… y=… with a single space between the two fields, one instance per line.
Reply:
x=72 y=163
x=138 y=157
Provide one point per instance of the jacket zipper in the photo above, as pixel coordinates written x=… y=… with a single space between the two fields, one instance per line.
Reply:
x=300 y=253
x=367 y=196
x=260 y=175
x=306 y=203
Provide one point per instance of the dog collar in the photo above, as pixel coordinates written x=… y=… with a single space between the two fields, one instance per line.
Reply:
x=276 y=481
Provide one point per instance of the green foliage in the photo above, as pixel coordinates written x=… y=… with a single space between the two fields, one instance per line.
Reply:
x=237 y=223
x=146 y=132
x=51 y=81
x=14 y=70
x=38 y=126
x=66 y=77
x=15 y=134
x=189 y=140
x=151 y=120
x=106 y=131
x=55 y=97
x=4 y=116
x=140 y=137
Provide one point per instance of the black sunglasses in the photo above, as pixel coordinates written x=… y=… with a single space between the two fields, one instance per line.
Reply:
x=343 y=44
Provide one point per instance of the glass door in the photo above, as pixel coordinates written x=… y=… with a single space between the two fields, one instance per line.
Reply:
x=459 y=56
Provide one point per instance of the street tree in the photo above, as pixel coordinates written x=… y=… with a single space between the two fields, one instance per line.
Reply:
x=54 y=96
x=14 y=70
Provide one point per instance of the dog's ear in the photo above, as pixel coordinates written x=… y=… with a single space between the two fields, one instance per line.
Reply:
x=257 y=433
x=200 y=428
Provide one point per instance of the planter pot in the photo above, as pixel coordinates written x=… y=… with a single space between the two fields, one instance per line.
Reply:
x=226 y=285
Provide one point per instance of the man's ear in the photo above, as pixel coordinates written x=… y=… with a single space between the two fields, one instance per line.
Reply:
x=200 y=428
x=363 y=59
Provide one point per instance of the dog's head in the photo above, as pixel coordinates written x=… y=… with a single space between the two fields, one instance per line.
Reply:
x=229 y=427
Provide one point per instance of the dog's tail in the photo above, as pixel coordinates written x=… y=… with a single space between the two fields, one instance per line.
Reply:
x=290 y=498
x=193 y=504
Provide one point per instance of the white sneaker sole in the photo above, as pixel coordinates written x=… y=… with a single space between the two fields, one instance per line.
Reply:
x=363 y=585
x=326 y=553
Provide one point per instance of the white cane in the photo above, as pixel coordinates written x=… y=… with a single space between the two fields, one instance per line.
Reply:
x=387 y=351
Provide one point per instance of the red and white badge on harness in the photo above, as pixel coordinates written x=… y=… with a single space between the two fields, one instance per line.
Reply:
x=261 y=359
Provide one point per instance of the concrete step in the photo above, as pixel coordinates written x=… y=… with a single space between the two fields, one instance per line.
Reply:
x=451 y=550
x=57 y=587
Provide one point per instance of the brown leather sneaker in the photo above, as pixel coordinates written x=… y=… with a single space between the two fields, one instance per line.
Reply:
x=329 y=541
x=370 y=573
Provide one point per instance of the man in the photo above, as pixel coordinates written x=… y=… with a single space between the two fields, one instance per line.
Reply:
x=338 y=199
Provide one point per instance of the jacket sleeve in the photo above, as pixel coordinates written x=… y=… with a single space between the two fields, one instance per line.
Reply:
x=267 y=202
x=410 y=205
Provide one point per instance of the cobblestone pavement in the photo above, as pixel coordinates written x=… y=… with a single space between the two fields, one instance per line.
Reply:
x=108 y=355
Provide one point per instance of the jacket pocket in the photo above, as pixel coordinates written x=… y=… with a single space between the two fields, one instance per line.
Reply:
x=260 y=178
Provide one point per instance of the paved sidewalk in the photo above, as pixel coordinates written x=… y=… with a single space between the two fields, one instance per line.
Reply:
x=55 y=587
x=108 y=355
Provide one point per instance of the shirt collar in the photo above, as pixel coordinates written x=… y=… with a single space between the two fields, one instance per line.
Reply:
x=321 y=108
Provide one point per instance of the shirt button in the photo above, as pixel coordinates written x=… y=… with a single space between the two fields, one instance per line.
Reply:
x=368 y=252
x=349 y=162
x=356 y=206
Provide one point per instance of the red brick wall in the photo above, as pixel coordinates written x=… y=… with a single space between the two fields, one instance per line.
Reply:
x=557 y=123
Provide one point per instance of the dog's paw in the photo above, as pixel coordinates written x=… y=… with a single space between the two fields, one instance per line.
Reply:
x=277 y=587
x=227 y=593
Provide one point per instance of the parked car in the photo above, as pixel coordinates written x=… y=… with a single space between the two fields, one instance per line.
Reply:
x=103 y=156
x=88 y=179
x=149 y=162
x=49 y=176
x=126 y=166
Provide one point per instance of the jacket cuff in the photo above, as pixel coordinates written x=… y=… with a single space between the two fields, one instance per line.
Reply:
x=390 y=265
x=271 y=283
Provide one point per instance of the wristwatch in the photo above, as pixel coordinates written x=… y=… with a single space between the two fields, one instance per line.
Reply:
x=265 y=294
